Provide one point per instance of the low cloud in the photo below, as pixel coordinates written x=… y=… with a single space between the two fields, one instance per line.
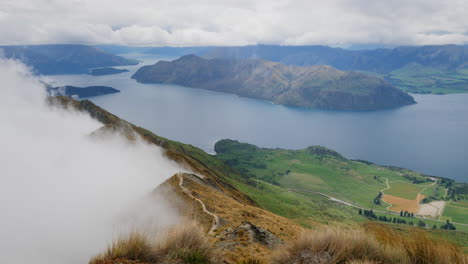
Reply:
x=65 y=195
x=228 y=22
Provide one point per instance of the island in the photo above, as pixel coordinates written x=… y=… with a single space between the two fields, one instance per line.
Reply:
x=106 y=71
x=81 y=92
x=315 y=86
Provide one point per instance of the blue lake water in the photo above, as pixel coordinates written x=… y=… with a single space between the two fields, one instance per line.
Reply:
x=429 y=137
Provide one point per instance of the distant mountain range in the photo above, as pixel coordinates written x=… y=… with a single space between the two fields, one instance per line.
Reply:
x=64 y=59
x=312 y=87
x=420 y=69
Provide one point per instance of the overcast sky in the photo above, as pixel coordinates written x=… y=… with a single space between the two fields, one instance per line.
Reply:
x=234 y=22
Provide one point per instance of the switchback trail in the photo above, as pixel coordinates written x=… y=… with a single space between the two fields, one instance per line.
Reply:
x=216 y=220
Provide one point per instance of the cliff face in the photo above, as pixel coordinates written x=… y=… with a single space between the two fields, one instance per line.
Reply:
x=312 y=87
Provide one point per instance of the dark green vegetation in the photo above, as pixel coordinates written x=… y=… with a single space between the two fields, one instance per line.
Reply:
x=419 y=69
x=313 y=87
x=63 y=59
x=106 y=71
x=81 y=92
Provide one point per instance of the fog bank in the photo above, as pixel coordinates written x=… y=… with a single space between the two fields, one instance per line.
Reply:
x=64 y=195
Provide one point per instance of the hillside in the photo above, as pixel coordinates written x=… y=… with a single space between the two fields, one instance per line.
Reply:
x=312 y=87
x=362 y=184
x=64 y=58
x=240 y=215
x=418 y=69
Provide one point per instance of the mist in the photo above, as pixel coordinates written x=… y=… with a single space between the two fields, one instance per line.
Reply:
x=65 y=195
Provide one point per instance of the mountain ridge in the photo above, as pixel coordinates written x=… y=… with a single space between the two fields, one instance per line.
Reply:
x=311 y=87
x=63 y=58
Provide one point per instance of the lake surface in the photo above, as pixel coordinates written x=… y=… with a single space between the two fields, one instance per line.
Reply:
x=429 y=137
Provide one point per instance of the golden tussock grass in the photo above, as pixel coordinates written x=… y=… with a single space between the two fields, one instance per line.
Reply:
x=186 y=243
x=371 y=244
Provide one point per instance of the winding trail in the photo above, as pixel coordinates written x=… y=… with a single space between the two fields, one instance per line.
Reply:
x=216 y=219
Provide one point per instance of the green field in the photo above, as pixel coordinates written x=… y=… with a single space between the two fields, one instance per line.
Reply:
x=405 y=189
x=456 y=212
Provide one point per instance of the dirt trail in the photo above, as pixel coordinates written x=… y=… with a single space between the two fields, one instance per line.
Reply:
x=216 y=219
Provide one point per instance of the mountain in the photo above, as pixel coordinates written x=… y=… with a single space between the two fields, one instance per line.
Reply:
x=106 y=71
x=81 y=92
x=312 y=87
x=435 y=69
x=64 y=58
x=244 y=214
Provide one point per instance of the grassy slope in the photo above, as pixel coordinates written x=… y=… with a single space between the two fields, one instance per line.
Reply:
x=353 y=181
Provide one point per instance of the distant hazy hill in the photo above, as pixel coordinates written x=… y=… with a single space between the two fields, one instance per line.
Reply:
x=314 y=87
x=64 y=59
x=106 y=71
x=81 y=92
x=437 y=69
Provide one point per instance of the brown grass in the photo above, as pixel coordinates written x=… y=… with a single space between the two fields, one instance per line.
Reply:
x=402 y=204
x=336 y=246
x=184 y=244
x=251 y=260
x=372 y=244
x=135 y=247
x=418 y=246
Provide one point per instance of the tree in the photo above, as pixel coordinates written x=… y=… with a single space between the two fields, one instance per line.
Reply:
x=434 y=227
x=401 y=213
x=448 y=226
x=394 y=220
x=360 y=211
x=421 y=223
x=412 y=214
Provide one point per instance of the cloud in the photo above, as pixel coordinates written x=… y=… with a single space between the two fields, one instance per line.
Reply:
x=229 y=22
x=65 y=195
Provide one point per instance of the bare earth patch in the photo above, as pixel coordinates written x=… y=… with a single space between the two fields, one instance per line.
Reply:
x=433 y=209
x=401 y=204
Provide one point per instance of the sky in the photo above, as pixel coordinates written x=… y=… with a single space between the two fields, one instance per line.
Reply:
x=234 y=22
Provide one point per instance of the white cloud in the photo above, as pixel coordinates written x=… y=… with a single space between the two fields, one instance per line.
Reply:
x=229 y=22
x=65 y=195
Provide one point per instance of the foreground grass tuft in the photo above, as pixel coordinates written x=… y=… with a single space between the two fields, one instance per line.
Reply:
x=135 y=247
x=375 y=244
x=185 y=244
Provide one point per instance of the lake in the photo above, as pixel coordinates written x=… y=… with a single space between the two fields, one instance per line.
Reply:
x=429 y=137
